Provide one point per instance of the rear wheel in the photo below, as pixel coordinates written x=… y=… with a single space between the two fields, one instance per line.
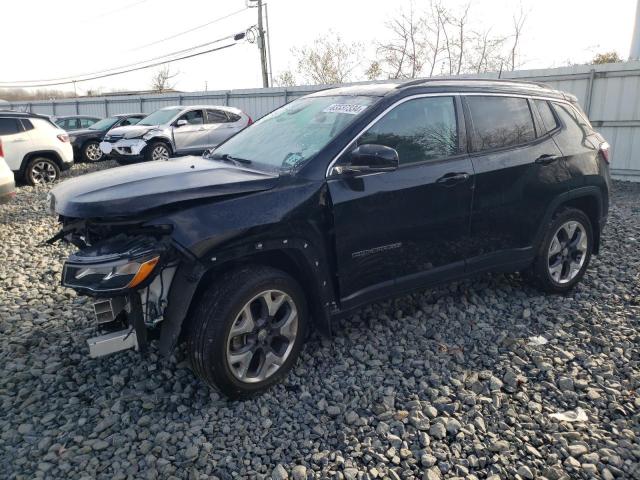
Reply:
x=247 y=330
x=565 y=253
x=157 y=151
x=91 y=152
x=41 y=170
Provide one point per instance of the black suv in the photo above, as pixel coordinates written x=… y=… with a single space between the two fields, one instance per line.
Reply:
x=335 y=200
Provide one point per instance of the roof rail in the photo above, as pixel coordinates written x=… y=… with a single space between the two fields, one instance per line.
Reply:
x=422 y=81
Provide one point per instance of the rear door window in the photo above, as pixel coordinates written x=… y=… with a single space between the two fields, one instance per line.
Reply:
x=9 y=126
x=499 y=122
x=419 y=130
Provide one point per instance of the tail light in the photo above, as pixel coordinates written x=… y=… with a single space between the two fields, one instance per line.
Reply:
x=1 y=150
x=250 y=121
x=605 y=151
x=63 y=137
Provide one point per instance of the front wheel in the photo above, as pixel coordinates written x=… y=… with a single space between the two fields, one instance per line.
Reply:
x=565 y=253
x=41 y=171
x=157 y=151
x=247 y=330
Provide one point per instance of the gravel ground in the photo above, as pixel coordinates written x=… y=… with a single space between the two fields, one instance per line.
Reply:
x=479 y=379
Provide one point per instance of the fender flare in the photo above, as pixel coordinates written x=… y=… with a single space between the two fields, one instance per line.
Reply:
x=189 y=277
x=27 y=158
x=582 y=192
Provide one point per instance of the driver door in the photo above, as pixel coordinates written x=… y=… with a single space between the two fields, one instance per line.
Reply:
x=401 y=229
x=192 y=136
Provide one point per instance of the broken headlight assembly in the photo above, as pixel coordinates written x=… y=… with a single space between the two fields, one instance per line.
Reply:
x=114 y=266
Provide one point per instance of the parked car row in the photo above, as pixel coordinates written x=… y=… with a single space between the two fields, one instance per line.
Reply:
x=37 y=148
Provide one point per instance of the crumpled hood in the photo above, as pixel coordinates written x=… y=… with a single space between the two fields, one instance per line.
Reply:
x=134 y=189
x=130 y=131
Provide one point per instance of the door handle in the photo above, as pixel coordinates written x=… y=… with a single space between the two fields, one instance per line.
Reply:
x=546 y=159
x=453 y=178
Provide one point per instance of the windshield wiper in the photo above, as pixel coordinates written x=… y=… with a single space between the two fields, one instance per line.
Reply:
x=228 y=158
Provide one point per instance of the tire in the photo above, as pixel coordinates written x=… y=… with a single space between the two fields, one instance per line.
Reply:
x=157 y=150
x=564 y=254
x=41 y=171
x=91 y=152
x=239 y=345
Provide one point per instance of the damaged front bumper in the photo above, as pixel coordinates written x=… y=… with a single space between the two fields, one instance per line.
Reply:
x=131 y=277
x=123 y=147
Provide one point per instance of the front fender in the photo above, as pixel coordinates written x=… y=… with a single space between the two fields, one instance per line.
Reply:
x=311 y=269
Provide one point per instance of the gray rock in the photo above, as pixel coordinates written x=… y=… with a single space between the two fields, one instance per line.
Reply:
x=279 y=473
x=438 y=431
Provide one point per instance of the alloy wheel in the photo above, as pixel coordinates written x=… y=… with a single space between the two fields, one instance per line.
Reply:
x=262 y=336
x=43 y=172
x=567 y=252
x=160 y=152
x=93 y=152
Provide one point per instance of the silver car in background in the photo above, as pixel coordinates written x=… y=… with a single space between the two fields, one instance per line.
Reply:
x=178 y=130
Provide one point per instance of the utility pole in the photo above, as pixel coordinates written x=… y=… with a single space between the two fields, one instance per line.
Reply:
x=634 y=51
x=262 y=48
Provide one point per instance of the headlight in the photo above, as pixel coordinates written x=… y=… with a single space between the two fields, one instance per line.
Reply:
x=117 y=265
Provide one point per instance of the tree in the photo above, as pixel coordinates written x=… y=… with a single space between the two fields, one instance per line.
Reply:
x=285 y=79
x=518 y=25
x=404 y=54
x=329 y=60
x=606 y=57
x=374 y=71
x=161 y=80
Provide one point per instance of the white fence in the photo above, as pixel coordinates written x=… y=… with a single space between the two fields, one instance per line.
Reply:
x=610 y=94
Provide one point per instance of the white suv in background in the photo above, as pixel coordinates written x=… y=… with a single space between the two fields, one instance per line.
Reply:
x=7 y=183
x=35 y=149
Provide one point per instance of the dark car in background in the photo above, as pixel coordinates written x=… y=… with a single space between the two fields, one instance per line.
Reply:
x=86 y=142
x=341 y=198
x=75 y=122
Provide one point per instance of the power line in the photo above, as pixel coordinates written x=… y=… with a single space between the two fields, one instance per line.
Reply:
x=124 y=71
x=235 y=36
x=179 y=34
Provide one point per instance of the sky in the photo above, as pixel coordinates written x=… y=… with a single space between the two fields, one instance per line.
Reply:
x=44 y=39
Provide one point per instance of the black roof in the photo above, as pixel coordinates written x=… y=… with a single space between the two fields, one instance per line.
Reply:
x=62 y=117
x=13 y=113
x=456 y=84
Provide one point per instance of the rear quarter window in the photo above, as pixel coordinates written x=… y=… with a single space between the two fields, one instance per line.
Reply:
x=548 y=118
x=499 y=122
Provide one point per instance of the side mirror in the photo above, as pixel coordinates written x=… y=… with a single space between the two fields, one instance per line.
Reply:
x=181 y=123
x=371 y=158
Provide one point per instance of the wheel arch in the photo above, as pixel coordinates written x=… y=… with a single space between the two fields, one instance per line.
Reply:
x=297 y=258
x=586 y=199
x=50 y=154
x=162 y=139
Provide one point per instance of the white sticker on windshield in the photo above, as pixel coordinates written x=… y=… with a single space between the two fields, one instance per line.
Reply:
x=349 y=108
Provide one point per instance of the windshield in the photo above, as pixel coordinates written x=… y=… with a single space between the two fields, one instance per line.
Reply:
x=294 y=133
x=104 y=124
x=159 y=117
